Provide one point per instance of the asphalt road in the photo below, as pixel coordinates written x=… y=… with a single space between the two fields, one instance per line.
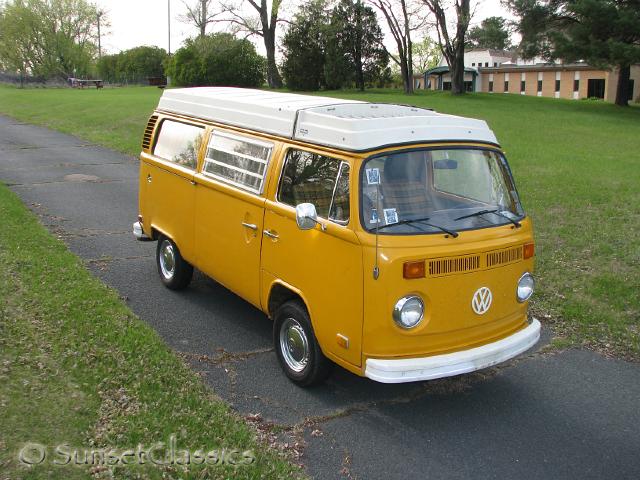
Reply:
x=570 y=414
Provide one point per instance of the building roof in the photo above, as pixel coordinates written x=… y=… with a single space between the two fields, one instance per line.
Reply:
x=511 y=67
x=493 y=52
x=446 y=69
x=345 y=124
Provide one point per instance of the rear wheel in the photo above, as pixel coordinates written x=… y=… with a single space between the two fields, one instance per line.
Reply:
x=295 y=343
x=175 y=272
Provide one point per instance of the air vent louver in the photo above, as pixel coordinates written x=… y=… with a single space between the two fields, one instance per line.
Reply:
x=148 y=133
x=471 y=263
x=502 y=257
x=447 y=266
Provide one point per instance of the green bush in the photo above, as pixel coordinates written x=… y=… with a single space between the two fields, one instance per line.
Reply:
x=132 y=66
x=217 y=59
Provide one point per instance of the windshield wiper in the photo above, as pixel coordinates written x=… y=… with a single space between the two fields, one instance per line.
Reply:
x=410 y=221
x=495 y=212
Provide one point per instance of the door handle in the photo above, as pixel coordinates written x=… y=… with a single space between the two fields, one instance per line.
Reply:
x=252 y=226
x=270 y=234
x=149 y=178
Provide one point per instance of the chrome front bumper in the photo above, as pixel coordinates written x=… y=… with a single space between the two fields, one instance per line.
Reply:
x=450 y=364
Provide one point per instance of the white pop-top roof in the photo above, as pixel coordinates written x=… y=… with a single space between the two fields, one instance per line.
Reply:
x=333 y=122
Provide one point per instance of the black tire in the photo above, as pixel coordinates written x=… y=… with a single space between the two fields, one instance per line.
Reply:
x=178 y=275
x=312 y=366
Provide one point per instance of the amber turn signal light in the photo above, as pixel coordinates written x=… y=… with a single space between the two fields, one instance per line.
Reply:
x=528 y=250
x=413 y=269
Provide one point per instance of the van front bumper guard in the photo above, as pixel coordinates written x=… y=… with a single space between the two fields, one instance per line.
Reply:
x=456 y=363
x=138 y=232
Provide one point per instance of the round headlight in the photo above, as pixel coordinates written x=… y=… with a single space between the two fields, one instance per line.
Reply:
x=408 y=311
x=525 y=287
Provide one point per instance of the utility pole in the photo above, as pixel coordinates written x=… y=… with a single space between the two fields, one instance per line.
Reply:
x=169 y=23
x=99 y=15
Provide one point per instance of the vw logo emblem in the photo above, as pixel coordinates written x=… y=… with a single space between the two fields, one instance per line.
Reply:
x=481 y=300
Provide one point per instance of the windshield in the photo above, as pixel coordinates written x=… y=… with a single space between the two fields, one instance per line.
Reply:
x=438 y=190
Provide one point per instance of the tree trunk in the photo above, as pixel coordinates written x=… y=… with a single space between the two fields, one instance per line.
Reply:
x=457 y=71
x=358 y=49
x=622 y=90
x=273 y=76
x=404 y=74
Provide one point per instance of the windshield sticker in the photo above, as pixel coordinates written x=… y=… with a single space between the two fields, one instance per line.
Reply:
x=373 y=176
x=374 y=216
x=390 y=216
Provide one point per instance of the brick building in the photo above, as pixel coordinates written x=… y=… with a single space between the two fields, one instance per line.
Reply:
x=493 y=71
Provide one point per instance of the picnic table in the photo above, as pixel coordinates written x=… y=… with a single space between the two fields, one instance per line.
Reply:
x=81 y=83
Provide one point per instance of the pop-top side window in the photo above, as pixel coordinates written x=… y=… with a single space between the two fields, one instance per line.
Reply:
x=238 y=160
x=179 y=143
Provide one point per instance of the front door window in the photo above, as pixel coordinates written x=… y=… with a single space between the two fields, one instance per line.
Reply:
x=313 y=178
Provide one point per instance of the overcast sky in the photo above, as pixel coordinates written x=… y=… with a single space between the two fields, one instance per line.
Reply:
x=144 y=22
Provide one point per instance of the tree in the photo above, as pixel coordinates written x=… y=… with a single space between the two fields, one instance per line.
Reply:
x=264 y=26
x=492 y=33
x=452 y=47
x=426 y=55
x=304 y=48
x=49 y=38
x=605 y=33
x=216 y=59
x=199 y=14
x=403 y=19
x=133 y=65
x=354 y=45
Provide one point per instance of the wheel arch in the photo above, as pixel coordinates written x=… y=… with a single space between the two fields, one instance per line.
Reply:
x=281 y=292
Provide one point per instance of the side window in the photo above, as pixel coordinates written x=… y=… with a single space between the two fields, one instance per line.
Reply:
x=340 y=204
x=312 y=178
x=179 y=143
x=240 y=161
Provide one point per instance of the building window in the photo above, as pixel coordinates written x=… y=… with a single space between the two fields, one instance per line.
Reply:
x=576 y=85
x=522 y=86
x=179 y=143
x=595 y=88
x=237 y=160
x=506 y=85
x=557 y=85
x=539 y=85
x=491 y=86
x=473 y=64
x=495 y=64
x=486 y=64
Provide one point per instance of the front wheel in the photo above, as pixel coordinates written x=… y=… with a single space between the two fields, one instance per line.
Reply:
x=295 y=343
x=175 y=272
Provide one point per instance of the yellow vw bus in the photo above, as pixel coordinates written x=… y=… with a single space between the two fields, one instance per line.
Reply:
x=387 y=239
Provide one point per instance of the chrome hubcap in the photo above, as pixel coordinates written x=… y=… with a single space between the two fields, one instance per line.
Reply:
x=167 y=259
x=294 y=345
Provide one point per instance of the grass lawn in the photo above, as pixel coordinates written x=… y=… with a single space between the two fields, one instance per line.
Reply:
x=576 y=163
x=77 y=367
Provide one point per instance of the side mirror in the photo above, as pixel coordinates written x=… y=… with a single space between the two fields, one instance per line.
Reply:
x=306 y=216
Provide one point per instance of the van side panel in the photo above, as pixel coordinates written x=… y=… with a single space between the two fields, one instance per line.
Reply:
x=168 y=203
